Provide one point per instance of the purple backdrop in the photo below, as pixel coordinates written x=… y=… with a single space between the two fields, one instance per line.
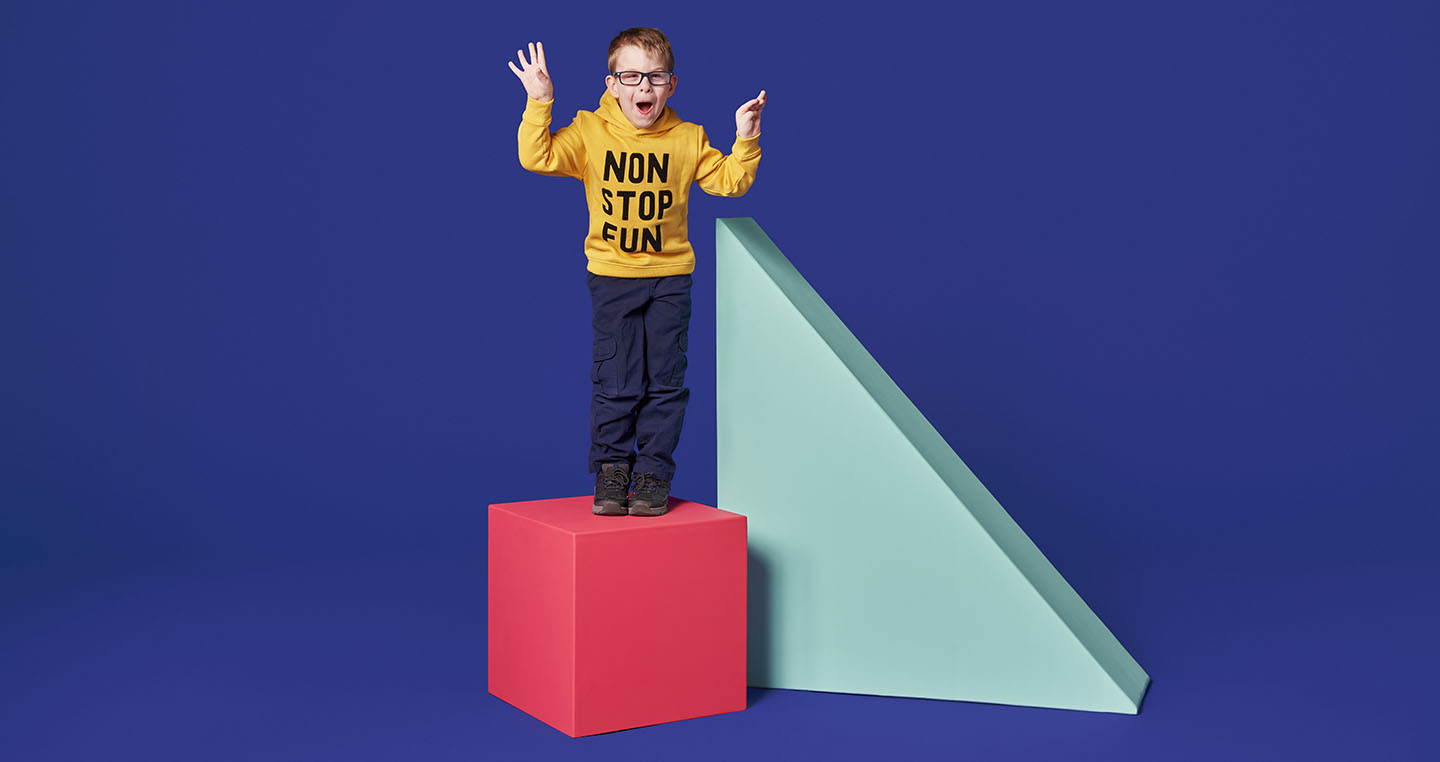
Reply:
x=280 y=314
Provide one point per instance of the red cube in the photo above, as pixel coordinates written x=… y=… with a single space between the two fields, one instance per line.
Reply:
x=602 y=623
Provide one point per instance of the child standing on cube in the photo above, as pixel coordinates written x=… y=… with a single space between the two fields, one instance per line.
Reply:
x=637 y=160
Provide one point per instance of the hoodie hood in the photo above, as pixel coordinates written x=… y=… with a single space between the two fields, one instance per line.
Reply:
x=610 y=111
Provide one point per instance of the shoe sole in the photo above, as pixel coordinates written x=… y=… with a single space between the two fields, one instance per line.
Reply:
x=645 y=509
x=609 y=508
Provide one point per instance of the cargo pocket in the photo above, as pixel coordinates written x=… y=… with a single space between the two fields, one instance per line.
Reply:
x=602 y=373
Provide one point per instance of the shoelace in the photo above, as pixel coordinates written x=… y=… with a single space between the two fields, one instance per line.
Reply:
x=617 y=478
x=647 y=483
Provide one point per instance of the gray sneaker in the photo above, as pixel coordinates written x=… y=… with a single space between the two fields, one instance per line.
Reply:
x=612 y=488
x=652 y=496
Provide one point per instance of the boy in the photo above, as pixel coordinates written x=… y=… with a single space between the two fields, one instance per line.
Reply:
x=637 y=160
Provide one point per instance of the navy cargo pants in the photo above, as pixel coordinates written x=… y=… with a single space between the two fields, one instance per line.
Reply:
x=642 y=328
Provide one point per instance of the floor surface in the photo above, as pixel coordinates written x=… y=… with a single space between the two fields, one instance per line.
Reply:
x=385 y=659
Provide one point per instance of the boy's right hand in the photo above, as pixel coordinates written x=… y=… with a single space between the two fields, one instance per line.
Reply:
x=534 y=74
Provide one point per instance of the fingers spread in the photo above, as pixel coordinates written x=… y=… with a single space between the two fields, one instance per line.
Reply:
x=534 y=57
x=541 y=47
x=516 y=69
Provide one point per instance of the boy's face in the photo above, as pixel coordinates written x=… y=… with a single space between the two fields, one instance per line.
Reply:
x=640 y=103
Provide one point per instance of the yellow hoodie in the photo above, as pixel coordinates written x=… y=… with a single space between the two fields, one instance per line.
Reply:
x=637 y=182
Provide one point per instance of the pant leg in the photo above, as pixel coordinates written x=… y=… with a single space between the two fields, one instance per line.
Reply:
x=617 y=375
x=661 y=410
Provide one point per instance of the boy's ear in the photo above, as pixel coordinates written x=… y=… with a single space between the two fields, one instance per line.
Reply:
x=612 y=85
x=674 y=80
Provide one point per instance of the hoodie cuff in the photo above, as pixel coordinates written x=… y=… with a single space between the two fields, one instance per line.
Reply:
x=746 y=148
x=536 y=112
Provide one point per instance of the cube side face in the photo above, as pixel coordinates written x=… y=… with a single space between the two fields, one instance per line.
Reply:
x=531 y=650
x=660 y=631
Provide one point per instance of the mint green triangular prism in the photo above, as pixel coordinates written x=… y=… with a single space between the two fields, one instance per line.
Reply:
x=879 y=562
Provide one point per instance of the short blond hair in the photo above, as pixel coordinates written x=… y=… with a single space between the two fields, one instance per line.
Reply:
x=648 y=39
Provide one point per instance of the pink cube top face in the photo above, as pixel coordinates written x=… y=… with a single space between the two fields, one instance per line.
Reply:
x=573 y=515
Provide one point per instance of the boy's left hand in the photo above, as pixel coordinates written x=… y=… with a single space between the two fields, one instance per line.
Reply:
x=747 y=117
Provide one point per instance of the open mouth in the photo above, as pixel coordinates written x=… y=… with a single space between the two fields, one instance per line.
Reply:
x=644 y=107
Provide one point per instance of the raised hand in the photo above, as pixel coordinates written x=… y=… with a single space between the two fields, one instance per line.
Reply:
x=533 y=73
x=747 y=117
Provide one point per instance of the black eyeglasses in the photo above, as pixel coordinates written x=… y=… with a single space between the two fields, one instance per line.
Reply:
x=632 y=78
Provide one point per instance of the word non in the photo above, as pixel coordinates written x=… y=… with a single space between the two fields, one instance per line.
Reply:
x=637 y=168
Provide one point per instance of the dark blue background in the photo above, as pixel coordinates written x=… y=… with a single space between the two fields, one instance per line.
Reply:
x=280 y=314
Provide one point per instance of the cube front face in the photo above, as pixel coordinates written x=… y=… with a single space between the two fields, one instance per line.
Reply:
x=653 y=614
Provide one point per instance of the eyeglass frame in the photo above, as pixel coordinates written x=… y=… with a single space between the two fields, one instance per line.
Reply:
x=645 y=75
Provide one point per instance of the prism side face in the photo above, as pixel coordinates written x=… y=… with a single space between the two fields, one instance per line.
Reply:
x=648 y=626
x=881 y=564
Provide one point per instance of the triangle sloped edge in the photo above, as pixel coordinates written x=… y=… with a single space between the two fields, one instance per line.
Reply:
x=1128 y=678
